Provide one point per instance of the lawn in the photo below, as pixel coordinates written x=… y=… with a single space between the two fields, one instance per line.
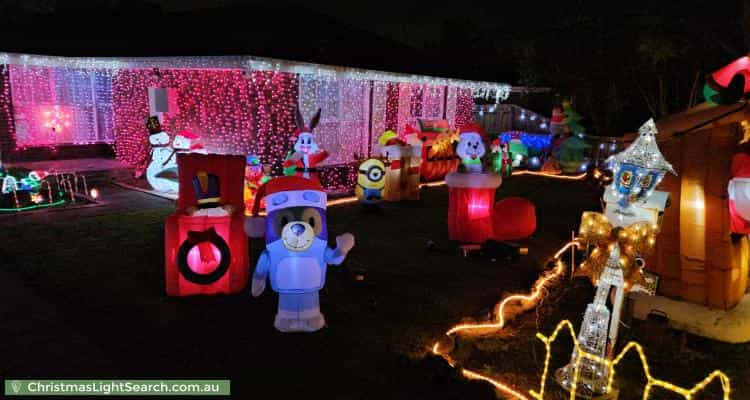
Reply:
x=84 y=297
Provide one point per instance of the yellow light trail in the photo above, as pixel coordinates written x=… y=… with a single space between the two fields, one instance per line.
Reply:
x=611 y=364
x=532 y=299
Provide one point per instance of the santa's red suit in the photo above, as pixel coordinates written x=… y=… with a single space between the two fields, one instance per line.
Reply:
x=739 y=194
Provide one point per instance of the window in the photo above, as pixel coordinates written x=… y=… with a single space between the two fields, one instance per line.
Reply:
x=61 y=105
x=343 y=130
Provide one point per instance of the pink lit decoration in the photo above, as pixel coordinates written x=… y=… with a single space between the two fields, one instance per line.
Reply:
x=232 y=112
x=203 y=258
x=450 y=105
x=479 y=206
x=56 y=119
x=470 y=206
x=6 y=111
x=379 y=117
x=464 y=107
x=341 y=177
x=58 y=105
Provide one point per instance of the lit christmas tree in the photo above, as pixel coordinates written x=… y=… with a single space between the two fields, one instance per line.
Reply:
x=572 y=118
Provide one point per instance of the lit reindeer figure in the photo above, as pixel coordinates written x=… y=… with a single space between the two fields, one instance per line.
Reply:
x=307 y=155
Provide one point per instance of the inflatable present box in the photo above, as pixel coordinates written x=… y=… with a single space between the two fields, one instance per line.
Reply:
x=207 y=253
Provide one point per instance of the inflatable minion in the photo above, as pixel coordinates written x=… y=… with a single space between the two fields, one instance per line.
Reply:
x=370 y=181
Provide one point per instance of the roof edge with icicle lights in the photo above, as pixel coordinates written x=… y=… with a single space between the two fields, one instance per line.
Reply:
x=483 y=89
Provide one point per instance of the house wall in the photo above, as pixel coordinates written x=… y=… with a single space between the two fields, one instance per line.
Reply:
x=695 y=257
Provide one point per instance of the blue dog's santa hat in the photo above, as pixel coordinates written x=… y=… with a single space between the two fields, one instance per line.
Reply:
x=284 y=192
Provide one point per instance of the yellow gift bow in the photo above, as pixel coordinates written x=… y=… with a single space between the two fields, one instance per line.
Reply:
x=635 y=240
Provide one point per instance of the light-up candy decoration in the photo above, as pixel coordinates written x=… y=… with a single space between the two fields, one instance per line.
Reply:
x=307 y=155
x=638 y=169
x=56 y=119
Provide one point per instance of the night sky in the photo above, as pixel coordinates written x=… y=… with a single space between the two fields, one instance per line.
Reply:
x=615 y=61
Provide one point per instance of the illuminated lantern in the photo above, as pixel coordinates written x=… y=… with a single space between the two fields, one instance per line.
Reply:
x=739 y=194
x=638 y=169
x=471 y=198
x=207 y=254
x=370 y=181
x=297 y=254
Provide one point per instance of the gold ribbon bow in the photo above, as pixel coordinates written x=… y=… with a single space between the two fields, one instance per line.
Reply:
x=635 y=241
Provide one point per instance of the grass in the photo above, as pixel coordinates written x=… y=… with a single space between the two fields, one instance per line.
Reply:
x=84 y=297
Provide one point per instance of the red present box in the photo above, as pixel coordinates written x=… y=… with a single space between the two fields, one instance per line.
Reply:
x=207 y=255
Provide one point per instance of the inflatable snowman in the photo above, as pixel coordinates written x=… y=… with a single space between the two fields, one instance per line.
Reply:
x=163 y=160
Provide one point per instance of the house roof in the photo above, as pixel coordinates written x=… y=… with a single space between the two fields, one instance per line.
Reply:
x=702 y=116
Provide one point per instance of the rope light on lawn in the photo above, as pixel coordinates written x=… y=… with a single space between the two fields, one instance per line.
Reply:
x=545 y=281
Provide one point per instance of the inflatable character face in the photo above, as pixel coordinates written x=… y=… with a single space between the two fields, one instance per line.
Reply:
x=159 y=139
x=181 y=143
x=470 y=146
x=306 y=144
x=297 y=227
x=371 y=174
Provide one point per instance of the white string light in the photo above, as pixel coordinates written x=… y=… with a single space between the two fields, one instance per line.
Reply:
x=483 y=89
